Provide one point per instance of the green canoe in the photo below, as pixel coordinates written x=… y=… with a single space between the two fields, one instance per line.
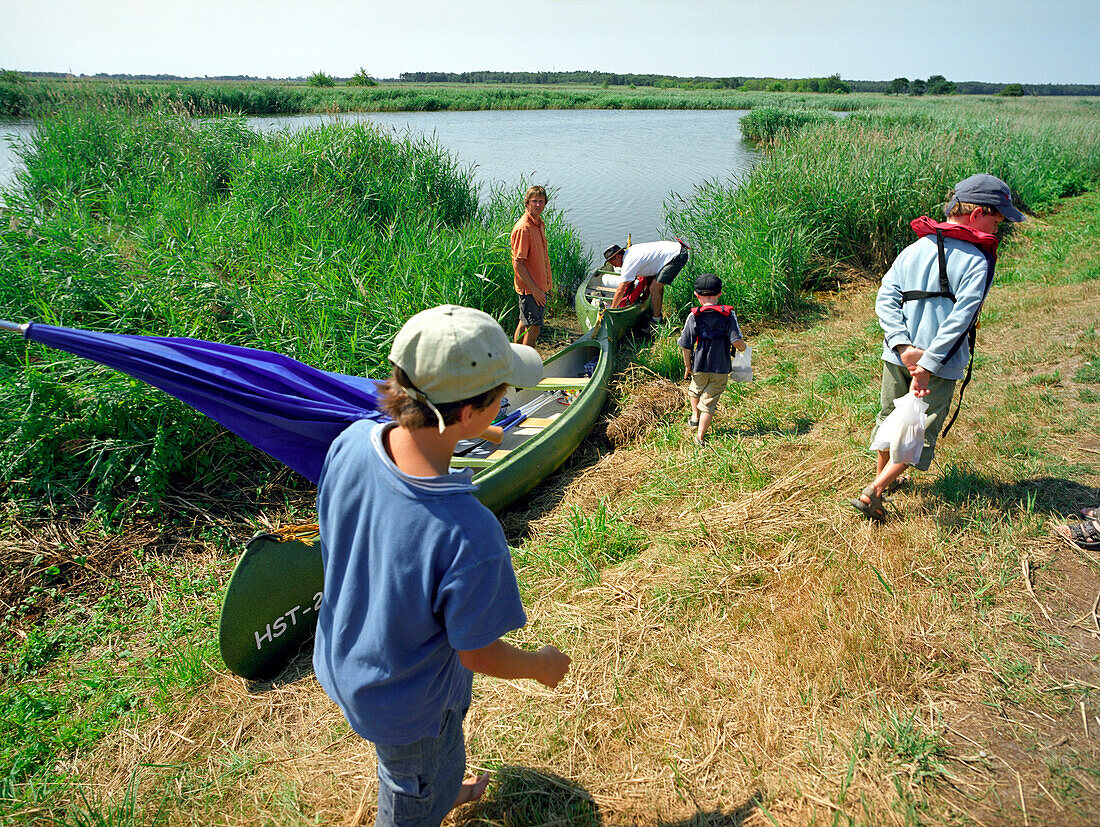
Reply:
x=270 y=608
x=591 y=295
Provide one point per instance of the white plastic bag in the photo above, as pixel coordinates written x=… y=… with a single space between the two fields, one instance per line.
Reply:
x=902 y=432
x=741 y=371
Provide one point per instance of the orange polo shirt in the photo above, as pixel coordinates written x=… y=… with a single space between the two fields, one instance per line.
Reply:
x=529 y=246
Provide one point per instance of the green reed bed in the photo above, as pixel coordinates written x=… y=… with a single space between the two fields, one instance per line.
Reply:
x=42 y=97
x=318 y=245
x=832 y=196
x=765 y=123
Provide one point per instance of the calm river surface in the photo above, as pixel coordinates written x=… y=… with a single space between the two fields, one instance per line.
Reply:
x=611 y=172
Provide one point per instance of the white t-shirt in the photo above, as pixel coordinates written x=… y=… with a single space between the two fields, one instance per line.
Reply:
x=645 y=259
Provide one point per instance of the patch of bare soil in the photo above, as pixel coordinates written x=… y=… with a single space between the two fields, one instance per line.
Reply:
x=1036 y=758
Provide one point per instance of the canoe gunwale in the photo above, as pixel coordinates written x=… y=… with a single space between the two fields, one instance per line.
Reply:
x=588 y=307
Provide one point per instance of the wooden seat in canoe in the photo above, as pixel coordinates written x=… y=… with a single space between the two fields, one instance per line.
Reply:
x=479 y=462
x=562 y=383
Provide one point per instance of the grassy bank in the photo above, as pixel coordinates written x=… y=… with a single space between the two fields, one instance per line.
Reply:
x=45 y=97
x=317 y=245
x=832 y=198
x=746 y=649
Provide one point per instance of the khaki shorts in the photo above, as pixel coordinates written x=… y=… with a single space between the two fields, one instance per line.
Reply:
x=895 y=384
x=707 y=387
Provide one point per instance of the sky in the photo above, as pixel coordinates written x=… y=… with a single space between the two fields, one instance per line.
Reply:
x=1021 y=41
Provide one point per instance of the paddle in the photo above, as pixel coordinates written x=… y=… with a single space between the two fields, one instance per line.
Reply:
x=508 y=423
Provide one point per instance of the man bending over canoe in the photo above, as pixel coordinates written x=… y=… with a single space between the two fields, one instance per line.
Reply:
x=658 y=261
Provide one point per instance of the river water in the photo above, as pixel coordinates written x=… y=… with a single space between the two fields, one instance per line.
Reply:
x=611 y=172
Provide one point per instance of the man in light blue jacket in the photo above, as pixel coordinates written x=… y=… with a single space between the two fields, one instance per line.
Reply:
x=928 y=308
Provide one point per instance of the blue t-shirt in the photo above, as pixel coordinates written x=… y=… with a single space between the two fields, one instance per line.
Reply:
x=415 y=570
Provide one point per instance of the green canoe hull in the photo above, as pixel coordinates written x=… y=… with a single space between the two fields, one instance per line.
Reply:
x=269 y=613
x=587 y=302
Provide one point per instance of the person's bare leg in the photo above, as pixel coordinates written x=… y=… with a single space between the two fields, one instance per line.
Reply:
x=531 y=335
x=704 y=423
x=882 y=461
x=886 y=475
x=694 y=407
x=656 y=299
x=520 y=327
x=471 y=790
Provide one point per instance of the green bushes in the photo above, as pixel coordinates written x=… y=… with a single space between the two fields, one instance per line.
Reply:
x=840 y=194
x=765 y=123
x=361 y=93
x=318 y=245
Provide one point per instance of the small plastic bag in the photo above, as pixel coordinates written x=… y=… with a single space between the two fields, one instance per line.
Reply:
x=902 y=432
x=741 y=371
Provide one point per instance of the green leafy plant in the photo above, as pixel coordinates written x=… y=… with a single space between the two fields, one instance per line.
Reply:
x=320 y=79
x=361 y=78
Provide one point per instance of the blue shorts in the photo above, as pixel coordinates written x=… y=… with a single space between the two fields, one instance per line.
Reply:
x=418 y=782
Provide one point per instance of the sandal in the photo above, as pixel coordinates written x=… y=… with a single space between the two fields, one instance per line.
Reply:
x=693 y=423
x=873 y=510
x=1090 y=513
x=1082 y=536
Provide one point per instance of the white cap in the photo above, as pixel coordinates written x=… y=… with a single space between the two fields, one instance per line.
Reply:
x=451 y=353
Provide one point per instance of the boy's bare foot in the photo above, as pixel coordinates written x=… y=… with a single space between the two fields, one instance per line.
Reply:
x=471 y=790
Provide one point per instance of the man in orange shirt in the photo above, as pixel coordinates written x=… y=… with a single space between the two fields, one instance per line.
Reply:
x=531 y=265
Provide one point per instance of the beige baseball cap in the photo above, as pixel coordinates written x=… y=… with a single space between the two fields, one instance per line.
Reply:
x=451 y=353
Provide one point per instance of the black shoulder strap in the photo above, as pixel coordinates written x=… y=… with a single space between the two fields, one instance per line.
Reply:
x=945 y=285
x=972 y=335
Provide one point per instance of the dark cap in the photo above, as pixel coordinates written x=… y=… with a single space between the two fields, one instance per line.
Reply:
x=611 y=252
x=708 y=284
x=986 y=190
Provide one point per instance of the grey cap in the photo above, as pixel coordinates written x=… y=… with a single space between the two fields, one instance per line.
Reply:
x=451 y=353
x=986 y=190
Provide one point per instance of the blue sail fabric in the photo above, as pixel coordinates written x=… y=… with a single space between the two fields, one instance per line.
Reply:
x=285 y=408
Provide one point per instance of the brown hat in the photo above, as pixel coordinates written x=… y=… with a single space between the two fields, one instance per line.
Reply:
x=611 y=252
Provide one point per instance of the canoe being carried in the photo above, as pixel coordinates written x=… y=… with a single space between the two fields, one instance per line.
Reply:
x=271 y=602
x=592 y=294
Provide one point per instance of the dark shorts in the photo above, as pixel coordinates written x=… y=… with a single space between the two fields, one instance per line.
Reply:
x=672 y=269
x=531 y=313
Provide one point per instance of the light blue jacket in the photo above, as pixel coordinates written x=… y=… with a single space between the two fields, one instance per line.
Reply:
x=933 y=325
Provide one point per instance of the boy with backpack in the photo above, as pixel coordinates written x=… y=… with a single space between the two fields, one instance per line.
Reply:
x=928 y=306
x=419 y=585
x=709 y=337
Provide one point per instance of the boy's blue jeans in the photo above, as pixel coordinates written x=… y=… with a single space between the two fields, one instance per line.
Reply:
x=418 y=782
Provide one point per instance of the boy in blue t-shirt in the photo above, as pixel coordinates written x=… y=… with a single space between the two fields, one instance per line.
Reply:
x=709 y=337
x=419 y=585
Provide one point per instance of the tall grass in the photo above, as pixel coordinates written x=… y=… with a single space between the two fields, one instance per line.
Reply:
x=318 y=245
x=831 y=196
x=261 y=98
